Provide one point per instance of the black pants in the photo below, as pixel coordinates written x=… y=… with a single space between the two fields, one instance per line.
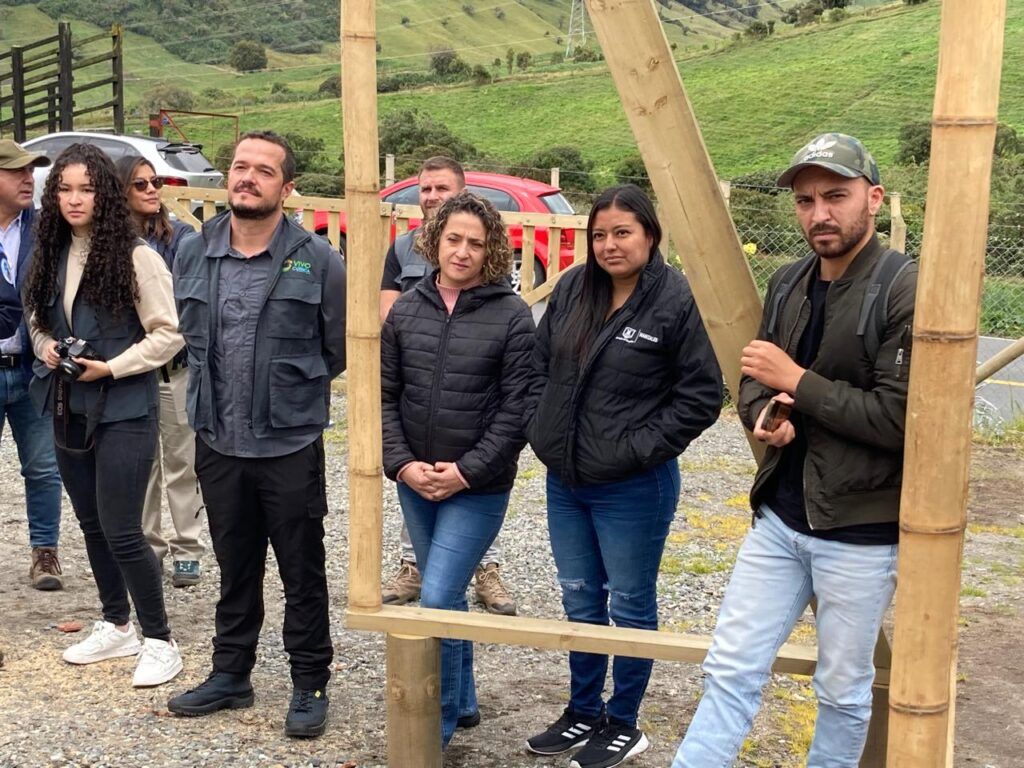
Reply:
x=281 y=500
x=107 y=486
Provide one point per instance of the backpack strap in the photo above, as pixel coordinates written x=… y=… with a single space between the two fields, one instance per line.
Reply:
x=791 y=274
x=874 y=309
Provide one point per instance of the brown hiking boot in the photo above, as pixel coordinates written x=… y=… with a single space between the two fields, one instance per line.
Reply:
x=491 y=593
x=403 y=587
x=45 y=572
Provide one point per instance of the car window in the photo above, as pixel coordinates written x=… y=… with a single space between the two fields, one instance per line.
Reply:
x=406 y=196
x=557 y=204
x=184 y=158
x=501 y=200
x=52 y=147
x=115 y=150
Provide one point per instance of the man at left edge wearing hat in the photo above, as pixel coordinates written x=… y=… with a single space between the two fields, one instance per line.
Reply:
x=33 y=433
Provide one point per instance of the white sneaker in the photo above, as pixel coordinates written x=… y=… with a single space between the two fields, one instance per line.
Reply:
x=159 y=662
x=105 y=642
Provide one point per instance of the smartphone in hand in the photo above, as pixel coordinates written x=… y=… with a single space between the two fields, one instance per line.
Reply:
x=774 y=415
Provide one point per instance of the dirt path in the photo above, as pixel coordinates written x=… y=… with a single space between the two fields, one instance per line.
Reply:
x=55 y=715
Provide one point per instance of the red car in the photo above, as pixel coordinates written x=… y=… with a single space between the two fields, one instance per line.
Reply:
x=507 y=193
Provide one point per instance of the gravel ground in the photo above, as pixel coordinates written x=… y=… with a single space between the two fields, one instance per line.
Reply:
x=52 y=714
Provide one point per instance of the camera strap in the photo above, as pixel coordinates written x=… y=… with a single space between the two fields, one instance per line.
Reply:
x=62 y=417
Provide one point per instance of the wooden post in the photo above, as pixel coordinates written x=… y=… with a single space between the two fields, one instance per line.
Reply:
x=65 y=77
x=1000 y=360
x=726 y=187
x=364 y=252
x=682 y=176
x=897 y=225
x=556 y=177
x=389 y=169
x=117 y=64
x=938 y=442
x=18 y=92
x=414 y=701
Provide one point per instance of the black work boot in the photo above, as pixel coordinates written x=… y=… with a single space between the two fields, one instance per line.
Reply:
x=307 y=714
x=221 y=690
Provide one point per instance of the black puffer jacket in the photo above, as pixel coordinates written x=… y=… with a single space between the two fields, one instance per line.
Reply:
x=453 y=387
x=649 y=385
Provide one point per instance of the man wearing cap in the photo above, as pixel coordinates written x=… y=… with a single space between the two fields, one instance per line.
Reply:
x=826 y=497
x=32 y=432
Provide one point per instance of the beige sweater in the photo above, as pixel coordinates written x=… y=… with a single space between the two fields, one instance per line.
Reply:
x=155 y=307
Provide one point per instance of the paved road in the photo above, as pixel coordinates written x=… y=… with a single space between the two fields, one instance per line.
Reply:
x=1003 y=394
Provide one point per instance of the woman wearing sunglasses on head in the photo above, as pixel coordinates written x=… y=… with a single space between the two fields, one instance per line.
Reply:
x=102 y=320
x=173 y=468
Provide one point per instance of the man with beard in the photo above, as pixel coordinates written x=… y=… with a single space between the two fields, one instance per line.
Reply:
x=833 y=353
x=262 y=309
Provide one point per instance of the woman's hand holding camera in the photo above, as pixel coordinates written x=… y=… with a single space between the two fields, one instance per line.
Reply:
x=92 y=369
x=50 y=356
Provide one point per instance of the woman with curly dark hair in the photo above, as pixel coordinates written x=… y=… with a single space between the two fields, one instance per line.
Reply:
x=455 y=359
x=102 y=320
x=174 y=466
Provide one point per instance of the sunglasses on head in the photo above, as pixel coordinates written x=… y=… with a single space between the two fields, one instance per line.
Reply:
x=140 y=185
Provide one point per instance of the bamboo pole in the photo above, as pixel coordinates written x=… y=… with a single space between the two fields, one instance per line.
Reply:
x=897 y=224
x=999 y=360
x=933 y=504
x=414 y=701
x=365 y=249
x=682 y=176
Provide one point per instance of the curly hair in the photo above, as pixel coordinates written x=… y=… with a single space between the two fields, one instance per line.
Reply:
x=497 y=254
x=159 y=224
x=108 y=281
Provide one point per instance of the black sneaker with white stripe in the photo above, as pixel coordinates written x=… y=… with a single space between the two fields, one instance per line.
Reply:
x=613 y=745
x=567 y=732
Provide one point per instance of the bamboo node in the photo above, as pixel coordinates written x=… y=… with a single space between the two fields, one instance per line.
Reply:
x=937 y=531
x=918 y=710
x=944 y=337
x=356 y=335
x=960 y=122
x=375 y=472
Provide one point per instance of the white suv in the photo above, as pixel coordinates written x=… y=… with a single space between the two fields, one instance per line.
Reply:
x=180 y=165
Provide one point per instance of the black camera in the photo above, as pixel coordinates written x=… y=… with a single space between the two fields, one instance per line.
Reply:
x=71 y=347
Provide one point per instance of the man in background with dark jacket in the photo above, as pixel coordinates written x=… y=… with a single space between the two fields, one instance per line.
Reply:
x=826 y=497
x=261 y=304
x=33 y=432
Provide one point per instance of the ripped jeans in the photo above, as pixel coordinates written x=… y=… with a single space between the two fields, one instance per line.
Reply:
x=607 y=542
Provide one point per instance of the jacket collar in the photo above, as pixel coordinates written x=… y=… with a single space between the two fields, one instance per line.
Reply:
x=469 y=299
x=287 y=237
x=863 y=261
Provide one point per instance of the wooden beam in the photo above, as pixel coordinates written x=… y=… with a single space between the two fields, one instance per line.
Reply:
x=682 y=176
x=414 y=701
x=365 y=249
x=942 y=375
x=558 y=635
x=999 y=360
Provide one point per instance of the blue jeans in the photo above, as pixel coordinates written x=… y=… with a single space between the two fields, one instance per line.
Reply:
x=450 y=537
x=607 y=541
x=33 y=435
x=777 y=572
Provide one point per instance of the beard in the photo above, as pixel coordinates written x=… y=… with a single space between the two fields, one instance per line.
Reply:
x=263 y=209
x=848 y=237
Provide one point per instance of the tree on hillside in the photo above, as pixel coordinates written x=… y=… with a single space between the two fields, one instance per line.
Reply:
x=248 y=56
x=914 y=2
x=575 y=172
x=308 y=152
x=523 y=60
x=413 y=137
x=445 y=62
x=510 y=59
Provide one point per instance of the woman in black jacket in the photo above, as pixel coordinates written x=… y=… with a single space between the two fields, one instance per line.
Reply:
x=625 y=380
x=455 y=365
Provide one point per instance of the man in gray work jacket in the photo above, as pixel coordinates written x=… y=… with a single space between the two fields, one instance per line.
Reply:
x=262 y=309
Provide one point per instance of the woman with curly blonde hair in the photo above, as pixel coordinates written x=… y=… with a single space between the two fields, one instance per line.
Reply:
x=455 y=366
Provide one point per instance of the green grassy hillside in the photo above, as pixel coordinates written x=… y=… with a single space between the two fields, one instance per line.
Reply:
x=756 y=101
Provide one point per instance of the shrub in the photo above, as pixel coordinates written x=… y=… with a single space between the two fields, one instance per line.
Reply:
x=248 y=56
x=330 y=87
x=632 y=171
x=468 y=9
x=481 y=75
x=407 y=132
x=308 y=152
x=575 y=172
x=523 y=60
x=446 y=63
x=320 y=185
x=166 y=96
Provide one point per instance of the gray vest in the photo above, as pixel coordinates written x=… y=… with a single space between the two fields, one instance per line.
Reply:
x=129 y=398
x=413 y=265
